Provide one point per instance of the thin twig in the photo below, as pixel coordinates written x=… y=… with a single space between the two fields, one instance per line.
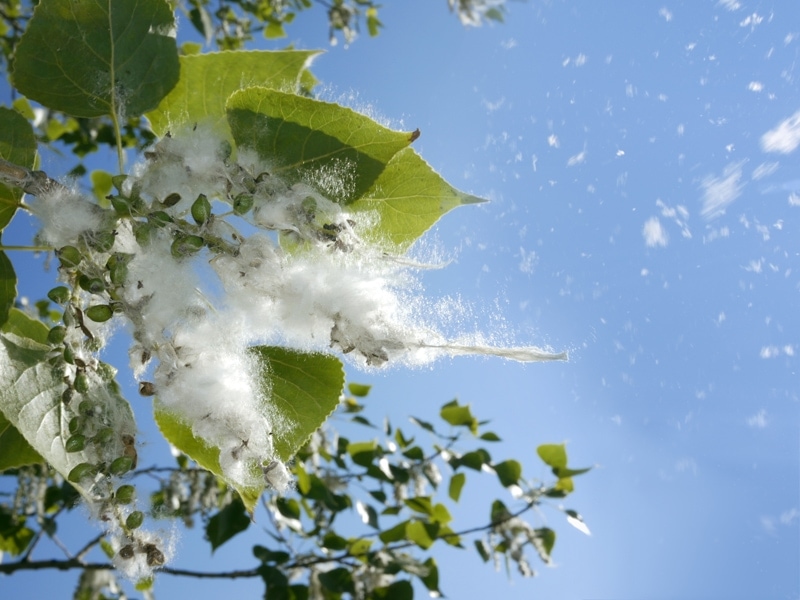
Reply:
x=30 y=182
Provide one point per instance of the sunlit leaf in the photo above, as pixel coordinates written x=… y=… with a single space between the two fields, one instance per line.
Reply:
x=31 y=394
x=179 y=434
x=417 y=533
x=98 y=57
x=554 y=455
x=334 y=148
x=508 y=472
x=303 y=390
x=457 y=482
x=17 y=146
x=208 y=80
x=456 y=415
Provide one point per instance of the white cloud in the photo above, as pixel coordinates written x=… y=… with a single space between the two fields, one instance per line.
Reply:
x=527 y=261
x=731 y=5
x=758 y=420
x=654 y=234
x=721 y=191
x=784 y=138
x=665 y=13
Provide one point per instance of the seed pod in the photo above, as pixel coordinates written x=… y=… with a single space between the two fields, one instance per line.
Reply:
x=126 y=552
x=103 y=436
x=56 y=335
x=117 y=265
x=124 y=494
x=99 y=313
x=69 y=256
x=155 y=558
x=81 y=384
x=75 y=443
x=143 y=232
x=103 y=241
x=59 y=295
x=66 y=396
x=122 y=206
x=146 y=388
x=69 y=355
x=93 y=285
x=172 y=199
x=201 y=209
x=134 y=520
x=130 y=449
x=75 y=423
x=86 y=408
x=117 y=181
x=120 y=466
x=81 y=472
x=185 y=245
x=159 y=218
x=242 y=204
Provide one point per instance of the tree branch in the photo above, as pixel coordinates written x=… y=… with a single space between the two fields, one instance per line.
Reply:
x=30 y=182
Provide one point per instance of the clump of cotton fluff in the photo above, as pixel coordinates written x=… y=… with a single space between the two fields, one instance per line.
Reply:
x=66 y=215
x=137 y=555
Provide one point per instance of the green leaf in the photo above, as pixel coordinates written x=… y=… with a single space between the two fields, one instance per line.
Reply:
x=337 y=150
x=337 y=580
x=483 y=550
x=363 y=453
x=101 y=186
x=92 y=58
x=18 y=146
x=14 y=535
x=508 y=472
x=303 y=390
x=179 y=434
x=15 y=451
x=420 y=504
x=8 y=287
x=457 y=482
x=408 y=197
x=565 y=472
x=359 y=390
x=31 y=391
x=459 y=416
x=398 y=590
x=395 y=534
x=208 y=80
x=417 y=533
x=227 y=523
x=554 y=455
x=544 y=540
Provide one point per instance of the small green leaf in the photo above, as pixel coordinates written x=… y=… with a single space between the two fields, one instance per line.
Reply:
x=457 y=482
x=398 y=590
x=266 y=555
x=458 y=415
x=363 y=453
x=332 y=541
x=98 y=57
x=417 y=533
x=227 y=523
x=359 y=390
x=544 y=540
x=101 y=186
x=554 y=455
x=395 y=534
x=431 y=580
x=338 y=580
x=8 y=287
x=420 y=504
x=490 y=437
x=508 y=472
x=483 y=550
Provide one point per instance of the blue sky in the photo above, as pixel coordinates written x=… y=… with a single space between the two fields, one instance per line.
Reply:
x=641 y=160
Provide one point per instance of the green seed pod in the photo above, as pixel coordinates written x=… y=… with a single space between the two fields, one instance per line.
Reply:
x=103 y=436
x=81 y=384
x=81 y=472
x=184 y=245
x=99 y=313
x=120 y=466
x=93 y=285
x=59 y=295
x=103 y=241
x=75 y=443
x=242 y=204
x=117 y=265
x=75 y=423
x=201 y=209
x=172 y=199
x=86 y=408
x=134 y=520
x=66 y=396
x=159 y=218
x=69 y=256
x=125 y=494
x=126 y=551
x=69 y=355
x=224 y=150
x=56 y=335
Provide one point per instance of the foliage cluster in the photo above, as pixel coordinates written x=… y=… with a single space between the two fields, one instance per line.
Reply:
x=259 y=229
